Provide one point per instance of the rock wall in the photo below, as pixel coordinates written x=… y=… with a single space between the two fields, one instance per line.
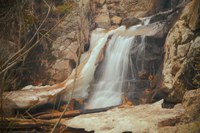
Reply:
x=112 y=12
x=70 y=36
x=181 y=63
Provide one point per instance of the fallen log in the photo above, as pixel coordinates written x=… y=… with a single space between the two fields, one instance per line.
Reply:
x=70 y=113
x=16 y=124
x=57 y=115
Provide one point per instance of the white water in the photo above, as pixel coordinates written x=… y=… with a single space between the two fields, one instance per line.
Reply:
x=108 y=91
x=97 y=43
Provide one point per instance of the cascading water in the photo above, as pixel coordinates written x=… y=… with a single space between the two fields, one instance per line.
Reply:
x=108 y=90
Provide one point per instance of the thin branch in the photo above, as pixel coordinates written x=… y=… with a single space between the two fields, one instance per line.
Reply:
x=29 y=48
x=18 y=52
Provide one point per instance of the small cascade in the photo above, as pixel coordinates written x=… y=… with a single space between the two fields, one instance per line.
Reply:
x=107 y=91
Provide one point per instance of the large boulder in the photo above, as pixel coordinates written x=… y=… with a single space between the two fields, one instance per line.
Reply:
x=180 y=70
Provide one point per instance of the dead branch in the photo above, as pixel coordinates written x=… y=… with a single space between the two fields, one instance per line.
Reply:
x=21 y=124
x=23 y=48
x=57 y=115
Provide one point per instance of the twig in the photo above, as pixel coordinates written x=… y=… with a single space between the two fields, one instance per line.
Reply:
x=31 y=116
x=29 y=48
x=15 y=61
x=18 y=52
x=70 y=98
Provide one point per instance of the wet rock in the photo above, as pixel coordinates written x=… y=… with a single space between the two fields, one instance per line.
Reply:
x=130 y=21
x=86 y=47
x=116 y=20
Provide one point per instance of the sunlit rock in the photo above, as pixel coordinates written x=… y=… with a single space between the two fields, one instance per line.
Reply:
x=116 y=20
x=142 y=118
x=191 y=103
x=179 y=52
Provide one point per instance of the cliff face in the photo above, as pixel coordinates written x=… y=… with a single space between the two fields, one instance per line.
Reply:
x=180 y=70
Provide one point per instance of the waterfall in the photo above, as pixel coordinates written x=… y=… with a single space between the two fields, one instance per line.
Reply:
x=108 y=89
x=97 y=43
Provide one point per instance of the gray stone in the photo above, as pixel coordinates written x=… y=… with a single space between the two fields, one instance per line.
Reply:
x=130 y=21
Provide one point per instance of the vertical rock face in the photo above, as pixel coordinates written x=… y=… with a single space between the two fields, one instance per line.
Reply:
x=191 y=15
x=180 y=70
x=138 y=8
x=72 y=32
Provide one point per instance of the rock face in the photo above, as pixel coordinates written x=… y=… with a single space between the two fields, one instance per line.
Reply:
x=102 y=19
x=138 y=8
x=181 y=50
x=66 y=45
x=116 y=20
x=191 y=14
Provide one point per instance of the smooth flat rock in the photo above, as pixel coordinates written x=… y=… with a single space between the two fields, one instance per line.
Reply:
x=136 y=119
